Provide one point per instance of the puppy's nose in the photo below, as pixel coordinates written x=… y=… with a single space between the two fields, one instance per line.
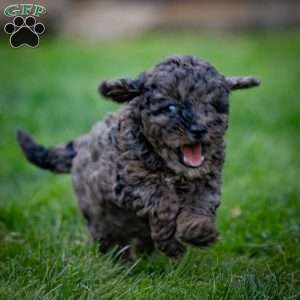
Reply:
x=198 y=131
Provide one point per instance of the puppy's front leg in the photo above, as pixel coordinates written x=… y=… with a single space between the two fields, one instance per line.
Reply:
x=163 y=228
x=196 y=221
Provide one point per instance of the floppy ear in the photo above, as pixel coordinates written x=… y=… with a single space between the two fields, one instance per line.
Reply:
x=121 y=90
x=242 y=82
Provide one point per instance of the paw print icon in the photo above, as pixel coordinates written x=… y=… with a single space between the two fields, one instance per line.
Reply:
x=24 y=32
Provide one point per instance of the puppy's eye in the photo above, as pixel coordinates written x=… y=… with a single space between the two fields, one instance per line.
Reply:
x=172 y=108
x=167 y=109
x=221 y=107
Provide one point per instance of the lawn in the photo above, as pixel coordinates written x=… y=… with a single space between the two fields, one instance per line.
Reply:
x=45 y=249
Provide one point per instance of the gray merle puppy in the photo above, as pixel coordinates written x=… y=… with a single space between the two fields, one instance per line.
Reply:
x=150 y=174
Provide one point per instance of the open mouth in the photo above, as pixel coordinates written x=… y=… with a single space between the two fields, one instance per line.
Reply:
x=192 y=155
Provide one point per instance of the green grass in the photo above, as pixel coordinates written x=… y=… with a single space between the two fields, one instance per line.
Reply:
x=45 y=250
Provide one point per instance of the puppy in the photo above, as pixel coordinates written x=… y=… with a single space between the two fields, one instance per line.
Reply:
x=150 y=174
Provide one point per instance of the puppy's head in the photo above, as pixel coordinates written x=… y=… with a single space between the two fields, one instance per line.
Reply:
x=183 y=107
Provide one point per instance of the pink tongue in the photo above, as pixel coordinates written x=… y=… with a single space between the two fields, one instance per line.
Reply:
x=192 y=154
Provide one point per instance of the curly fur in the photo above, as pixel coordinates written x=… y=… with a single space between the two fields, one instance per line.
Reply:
x=132 y=184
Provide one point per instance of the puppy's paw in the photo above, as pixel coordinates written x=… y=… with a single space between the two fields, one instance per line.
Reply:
x=172 y=248
x=196 y=230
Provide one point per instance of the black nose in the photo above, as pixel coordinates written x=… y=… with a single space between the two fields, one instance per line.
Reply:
x=198 y=131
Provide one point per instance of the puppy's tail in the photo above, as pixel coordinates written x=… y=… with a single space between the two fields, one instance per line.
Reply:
x=57 y=159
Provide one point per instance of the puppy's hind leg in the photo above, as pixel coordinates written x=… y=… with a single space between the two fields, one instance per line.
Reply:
x=103 y=236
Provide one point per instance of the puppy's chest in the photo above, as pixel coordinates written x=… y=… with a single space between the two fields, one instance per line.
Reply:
x=188 y=192
x=137 y=187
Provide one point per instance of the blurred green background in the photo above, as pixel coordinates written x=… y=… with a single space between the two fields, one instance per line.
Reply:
x=45 y=250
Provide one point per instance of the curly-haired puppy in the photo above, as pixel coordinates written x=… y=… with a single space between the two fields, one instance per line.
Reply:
x=150 y=174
